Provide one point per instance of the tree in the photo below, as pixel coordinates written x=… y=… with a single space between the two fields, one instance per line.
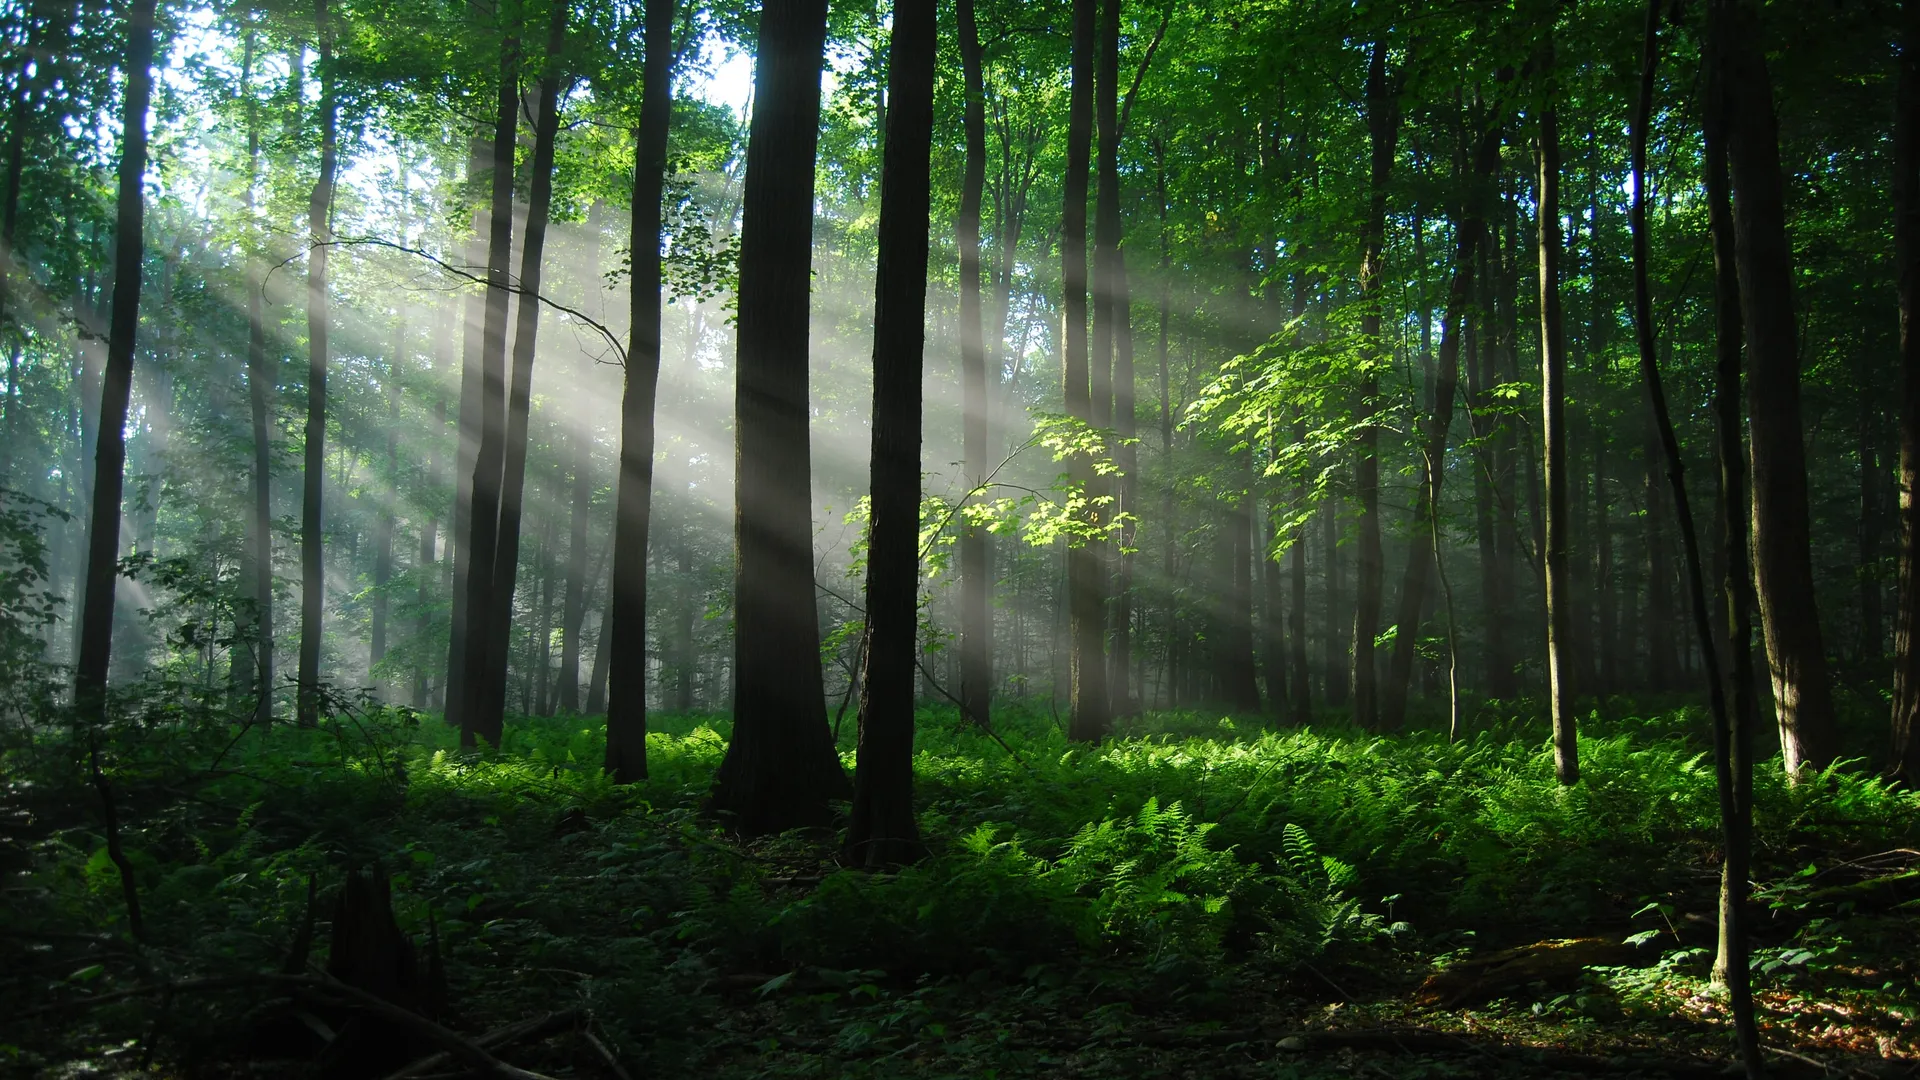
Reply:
x=487 y=693
x=1086 y=604
x=465 y=706
x=313 y=556
x=110 y=454
x=1383 y=132
x=633 y=492
x=1906 y=237
x=1553 y=434
x=780 y=771
x=1782 y=558
x=882 y=831
x=976 y=567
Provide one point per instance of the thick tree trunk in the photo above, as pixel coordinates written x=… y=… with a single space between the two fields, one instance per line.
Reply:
x=1503 y=681
x=465 y=704
x=1605 y=644
x=487 y=663
x=1553 y=438
x=626 y=642
x=1783 y=563
x=602 y=652
x=1383 y=132
x=1906 y=235
x=313 y=571
x=1662 y=650
x=781 y=770
x=574 y=610
x=976 y=568
x=1300 y=709
x=1126 y=459
x=882 y=830
x=1086 y=604
x=110 y=452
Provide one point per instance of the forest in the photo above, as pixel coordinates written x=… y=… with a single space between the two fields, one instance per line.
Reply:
x=959 y=538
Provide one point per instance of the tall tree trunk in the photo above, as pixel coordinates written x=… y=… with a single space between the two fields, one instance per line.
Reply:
x=976 y=571
x=1783 y=563
x=1503 y=681
x=313 y=571
x=603 y=651
x=1733 y=771
x=110 y=452
x=488 y=680
x=882 y=830
x=1273 y=621
x=1383 y=133
x=1906 y=235
x=1168 y=552
x=1605 y=644
x=1553 y=438
x=626 y=643
x=384 y=523
x=1424 y=543
x=483 y=159
x=574 y=610
x=1089 y=716
x=260 y=391
x=465 y=705
x=1126 y=459
x=1480 y=377
x=430 y=528
x=1301 y=710
x=247 y=654
x=780 y=771
x=688 y=621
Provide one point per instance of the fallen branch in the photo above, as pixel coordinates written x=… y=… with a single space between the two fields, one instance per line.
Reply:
x=537 y=1027
x=606 y=1055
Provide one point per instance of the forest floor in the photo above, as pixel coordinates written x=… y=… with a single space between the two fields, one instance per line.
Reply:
x=1199 y=897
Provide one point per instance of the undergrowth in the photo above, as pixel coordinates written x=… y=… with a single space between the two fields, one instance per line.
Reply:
x=1169 y=868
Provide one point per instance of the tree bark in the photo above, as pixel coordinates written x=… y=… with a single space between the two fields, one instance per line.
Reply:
x=1383 y=132
x=883 y=831
x=313 y=572
x=430 y=528
x=110 y=452
x=1089 y=715
x=976 y=569
x=1870 y=647
x=487 y=660
x=1783 y=564
x=1734 y=723
x=383 y=522
x=483 y=158
x=626 y=642
x=1906 y=235
x=1553 y=439
x=466 y=701
x=781 y=770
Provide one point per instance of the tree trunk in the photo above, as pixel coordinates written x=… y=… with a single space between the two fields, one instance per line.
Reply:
x=1733 y=772
x=110 y=453
x=383 y=523
x=430 y=528
x=1301 y=705
x=483 y=158
x=1086 y=605
x=313 y=571
x=1424 y=542
x=1906 y=234
x=487 y=653
x=883 y=831
x=781 y=770
x=574 y=610
x=1126 y=459
x=1168 y=553
x=1604 y=645
x=626 y=642
x=689 y=619
x=1662 y=651
x=602 y=652
x=976 y=571
x=1383 y=132
x=1553 y=439
x=1783 y=564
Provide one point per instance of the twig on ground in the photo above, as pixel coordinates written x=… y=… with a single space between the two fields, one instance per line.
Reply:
x=533 y=1028
x=606 y=1055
